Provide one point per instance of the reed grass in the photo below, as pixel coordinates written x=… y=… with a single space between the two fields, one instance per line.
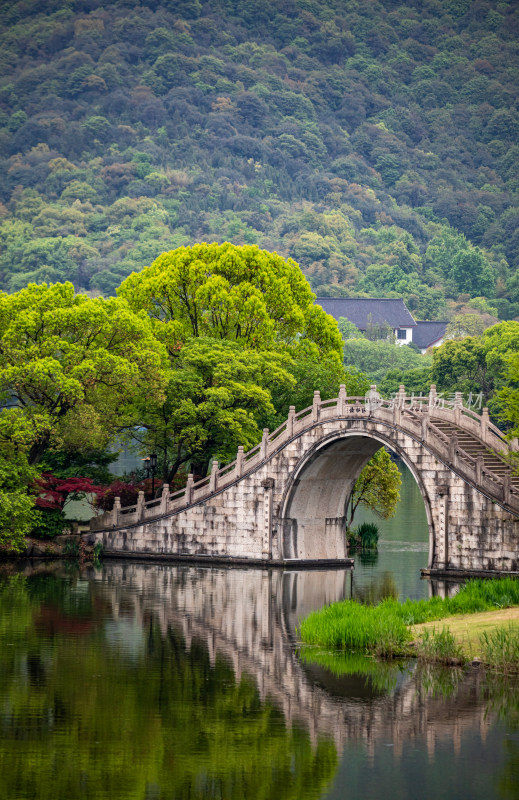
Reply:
x=383 y=629
x=357 y=628
x=364 y=537
x=440 y=646
x=500 y=647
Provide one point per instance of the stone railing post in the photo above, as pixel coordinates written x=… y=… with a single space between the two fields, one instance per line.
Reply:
x=189 y=489
x=264 y=443
x=453 y=445
x=239 y=461
x=115 y=512
x=425 y=427
x=401 y=396
x=164 y=498
x=399 y=404
x=316 y=406
x=484 y=424
x=506 y=488
x=213 y=478
x=480 y=461
x=290 y=421
x=342 y=400
x=140 y=505
x=458 y=405
x=433 y=398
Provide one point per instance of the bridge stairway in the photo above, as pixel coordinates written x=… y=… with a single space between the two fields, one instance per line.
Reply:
x=474 y=447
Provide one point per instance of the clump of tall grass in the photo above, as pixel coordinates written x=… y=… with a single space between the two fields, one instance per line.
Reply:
x=440 y=646
x=383 y=630
x=357 y=628
x=500 y=648
x=364 y=537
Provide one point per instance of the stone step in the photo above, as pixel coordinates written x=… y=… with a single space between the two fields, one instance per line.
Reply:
x=475 y=448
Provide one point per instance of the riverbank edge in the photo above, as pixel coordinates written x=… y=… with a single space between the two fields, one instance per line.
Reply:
x=52 y=549
x=465 y=574
x=356 y=625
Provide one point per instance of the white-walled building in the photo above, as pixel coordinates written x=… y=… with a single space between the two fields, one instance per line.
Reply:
x=373 y=312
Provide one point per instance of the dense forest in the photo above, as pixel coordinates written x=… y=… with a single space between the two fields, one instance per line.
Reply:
x=374 y=142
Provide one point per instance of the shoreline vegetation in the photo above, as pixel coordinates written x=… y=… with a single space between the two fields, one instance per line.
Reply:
x=480 y=623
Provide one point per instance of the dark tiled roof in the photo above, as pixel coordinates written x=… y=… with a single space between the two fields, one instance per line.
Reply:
x=426 y=333
x=370 y=310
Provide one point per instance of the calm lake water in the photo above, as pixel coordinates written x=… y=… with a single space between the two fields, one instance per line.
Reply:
x=161 y=682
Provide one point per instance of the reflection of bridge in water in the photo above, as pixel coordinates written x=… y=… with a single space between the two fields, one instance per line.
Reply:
x=248 y=617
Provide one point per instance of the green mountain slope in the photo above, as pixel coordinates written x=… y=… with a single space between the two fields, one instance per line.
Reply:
x=375 y=143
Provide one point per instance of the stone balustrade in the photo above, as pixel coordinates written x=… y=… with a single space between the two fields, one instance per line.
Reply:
x=420 y=417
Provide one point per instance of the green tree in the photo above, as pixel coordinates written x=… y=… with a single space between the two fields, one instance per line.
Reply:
x=481 y=364
x=417 y=381
x=308 y=373
x=217 y=397
x=463 y=325
x=502 y=345
x=472 y=273
x=75 y=367
x=17 y=512
x=377 y=487
x=460 y=365
x=348 y=329
x=507 y=399
x=376 y=358
x=245 y=341
x=241 y=294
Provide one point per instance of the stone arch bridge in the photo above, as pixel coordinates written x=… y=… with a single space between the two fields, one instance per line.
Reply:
x=285 y=500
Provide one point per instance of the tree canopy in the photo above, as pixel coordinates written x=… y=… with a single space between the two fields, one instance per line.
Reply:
x=377 y=487
x=482 y=364
x=241 y=294
x=75 y=366
x=377 y=358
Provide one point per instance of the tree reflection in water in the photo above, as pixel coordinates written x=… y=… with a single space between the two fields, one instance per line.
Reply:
x=86 y=714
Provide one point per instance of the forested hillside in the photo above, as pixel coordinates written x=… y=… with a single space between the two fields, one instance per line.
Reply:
x=373 y=142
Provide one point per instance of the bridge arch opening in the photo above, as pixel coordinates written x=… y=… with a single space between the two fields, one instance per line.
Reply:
x=313 y=512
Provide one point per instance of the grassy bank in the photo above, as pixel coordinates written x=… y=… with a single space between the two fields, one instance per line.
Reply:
x=387 y=629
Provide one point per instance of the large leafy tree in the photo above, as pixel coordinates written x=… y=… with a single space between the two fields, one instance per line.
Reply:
x=240 y=294
x=16 y=474
x=245 y=341
x=461 y=365
x=72 y=372
x=378 y=357
x=502 y=342
x=76 y=367
x=508 y=396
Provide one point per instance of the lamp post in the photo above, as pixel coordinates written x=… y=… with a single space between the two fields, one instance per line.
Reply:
x=150 y=462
